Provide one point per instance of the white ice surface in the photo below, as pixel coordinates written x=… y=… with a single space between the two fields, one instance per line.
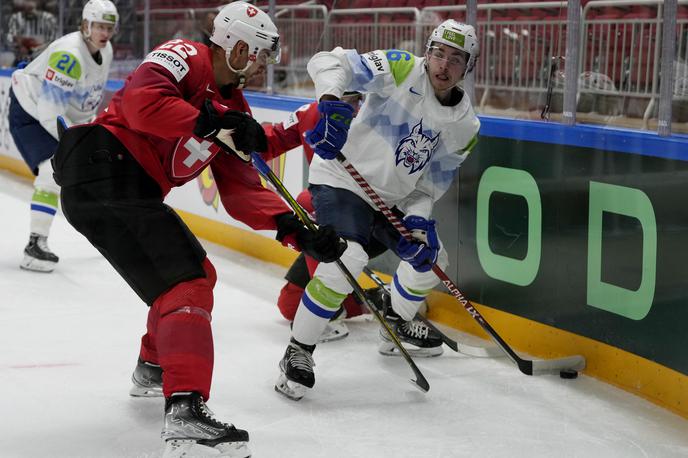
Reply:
x=69 y=341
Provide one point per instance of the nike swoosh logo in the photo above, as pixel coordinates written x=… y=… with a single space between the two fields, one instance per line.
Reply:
x=413 y=91
x=208 y=89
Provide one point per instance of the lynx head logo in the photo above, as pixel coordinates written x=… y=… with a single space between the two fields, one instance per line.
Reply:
x=415 y=150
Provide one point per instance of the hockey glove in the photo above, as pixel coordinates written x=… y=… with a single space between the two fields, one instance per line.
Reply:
x=328 y=136
x=422 y=251
x=233 y=130
x=323 y=245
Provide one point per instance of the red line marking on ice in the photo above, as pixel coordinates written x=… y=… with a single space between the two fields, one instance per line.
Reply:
x=42 y=366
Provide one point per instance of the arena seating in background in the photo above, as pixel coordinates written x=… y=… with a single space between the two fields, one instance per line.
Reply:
x=619 y=42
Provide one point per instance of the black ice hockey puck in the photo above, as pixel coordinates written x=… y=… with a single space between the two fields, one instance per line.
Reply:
x=568 y=373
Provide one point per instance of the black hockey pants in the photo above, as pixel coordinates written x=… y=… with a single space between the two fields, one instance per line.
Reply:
x=109 y=198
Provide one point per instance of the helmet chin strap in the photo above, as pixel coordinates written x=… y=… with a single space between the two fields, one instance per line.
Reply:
x=87 y=33
x=241 y=73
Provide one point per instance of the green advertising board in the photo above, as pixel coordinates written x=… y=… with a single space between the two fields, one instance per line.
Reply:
x=583 y=239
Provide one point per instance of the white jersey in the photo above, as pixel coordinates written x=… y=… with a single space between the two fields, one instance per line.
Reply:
x=64 y=80
x=403 y=141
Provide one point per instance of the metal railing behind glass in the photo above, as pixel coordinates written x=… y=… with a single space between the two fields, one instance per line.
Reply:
x=523 y=45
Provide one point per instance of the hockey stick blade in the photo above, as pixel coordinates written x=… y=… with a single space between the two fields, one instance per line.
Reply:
x=554 y=366
x=420 y=382
x=526 y=366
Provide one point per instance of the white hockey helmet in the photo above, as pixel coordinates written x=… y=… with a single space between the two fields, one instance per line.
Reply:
x=241 y=21
x=100 y=11
x=457 y=35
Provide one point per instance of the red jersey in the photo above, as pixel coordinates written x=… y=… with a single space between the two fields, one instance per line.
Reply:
x=291 y=132
x=154 y=116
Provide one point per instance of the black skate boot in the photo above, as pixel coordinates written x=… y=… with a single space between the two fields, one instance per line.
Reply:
x=37 y=255
x=296 y=371
x=146 y=380
x=416 y=337
x=191 y=430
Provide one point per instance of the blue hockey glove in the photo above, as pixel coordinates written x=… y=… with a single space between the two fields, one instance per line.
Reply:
x=329 y=135
x=422 y=251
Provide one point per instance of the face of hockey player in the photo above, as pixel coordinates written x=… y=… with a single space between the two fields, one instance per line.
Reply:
x=446 y=67
x=101 y=33
x=99 y=36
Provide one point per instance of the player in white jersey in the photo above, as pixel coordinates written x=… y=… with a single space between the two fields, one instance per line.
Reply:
x=409 y=138
x=67 y=79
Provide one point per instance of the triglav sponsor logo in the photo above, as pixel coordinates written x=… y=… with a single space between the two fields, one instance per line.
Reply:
x=375 y=59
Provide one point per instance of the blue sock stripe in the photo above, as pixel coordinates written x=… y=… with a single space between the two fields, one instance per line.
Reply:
x=405 y=294
x=43 y=208
x=315 y=308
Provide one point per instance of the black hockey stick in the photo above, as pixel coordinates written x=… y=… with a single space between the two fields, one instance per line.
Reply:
x=420 y=382
x=527 y=366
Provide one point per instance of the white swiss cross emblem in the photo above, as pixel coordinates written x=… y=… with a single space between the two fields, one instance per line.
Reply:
x=191 y=155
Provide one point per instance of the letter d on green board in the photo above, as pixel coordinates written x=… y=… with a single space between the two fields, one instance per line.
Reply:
x=635 y=204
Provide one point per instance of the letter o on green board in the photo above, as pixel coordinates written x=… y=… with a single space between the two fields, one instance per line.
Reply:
x=520 y=272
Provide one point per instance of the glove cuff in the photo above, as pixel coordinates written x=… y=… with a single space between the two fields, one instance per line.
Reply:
x=288 y=228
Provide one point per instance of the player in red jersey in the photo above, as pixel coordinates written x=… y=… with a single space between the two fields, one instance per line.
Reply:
x=161 y=130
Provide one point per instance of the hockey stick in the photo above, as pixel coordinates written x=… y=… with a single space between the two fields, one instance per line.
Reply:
x=420 y=382
x=478 y=351
x=527 y=366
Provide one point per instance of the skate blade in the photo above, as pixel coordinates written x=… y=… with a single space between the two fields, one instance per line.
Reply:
x=335 y=330
x=293 y=390
x=36 y=265
x=145 y=392
x=187 y=448
x=388 y=348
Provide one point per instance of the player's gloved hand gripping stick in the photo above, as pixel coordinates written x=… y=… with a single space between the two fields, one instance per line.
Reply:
x=231 y=130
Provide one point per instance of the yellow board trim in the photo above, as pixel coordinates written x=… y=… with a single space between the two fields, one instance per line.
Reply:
x=647 y=379
x=16 y=166
x=238 y=239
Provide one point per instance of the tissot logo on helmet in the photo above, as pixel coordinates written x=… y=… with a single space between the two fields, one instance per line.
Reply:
x=251 y=11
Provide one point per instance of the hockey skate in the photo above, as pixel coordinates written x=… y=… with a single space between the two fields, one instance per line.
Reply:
x=191 y=430
x=296 y=371
x=416 y=337
x=37 y=255
x=146 y=380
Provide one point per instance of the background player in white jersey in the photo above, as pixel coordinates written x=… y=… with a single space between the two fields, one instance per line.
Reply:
x=67 y=79
x=408 y=140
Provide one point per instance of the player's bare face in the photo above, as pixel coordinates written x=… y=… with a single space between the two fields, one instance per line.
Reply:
x=101 y=33
x=446 y=67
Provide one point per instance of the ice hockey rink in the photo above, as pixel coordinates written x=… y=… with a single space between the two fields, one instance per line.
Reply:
x=70 y=340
